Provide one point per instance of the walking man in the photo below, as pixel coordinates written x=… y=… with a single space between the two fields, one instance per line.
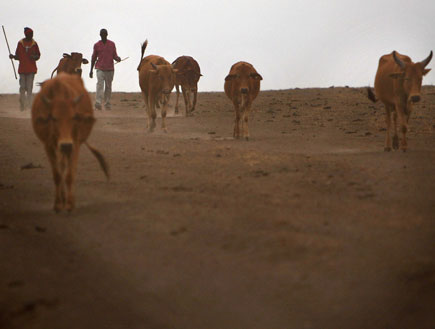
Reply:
x=27 y=53
x=102 y=58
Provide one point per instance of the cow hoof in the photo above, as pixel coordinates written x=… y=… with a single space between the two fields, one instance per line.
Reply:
x=387 y=149
x=247 y=138
x=57 y=208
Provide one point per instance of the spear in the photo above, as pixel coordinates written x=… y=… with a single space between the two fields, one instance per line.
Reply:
x=13 y=66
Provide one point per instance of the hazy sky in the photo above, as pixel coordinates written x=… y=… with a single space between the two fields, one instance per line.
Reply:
x=291 y=43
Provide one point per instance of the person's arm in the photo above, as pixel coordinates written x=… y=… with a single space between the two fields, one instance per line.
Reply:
x=12 y=56
x=36 y=54
x=115 y=55
x=93 y=60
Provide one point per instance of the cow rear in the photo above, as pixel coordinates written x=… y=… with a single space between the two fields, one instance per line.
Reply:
x=187 y=77
x=156 y=80
x=71 y=64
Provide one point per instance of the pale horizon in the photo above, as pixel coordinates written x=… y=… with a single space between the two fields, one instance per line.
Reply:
x=293 y=44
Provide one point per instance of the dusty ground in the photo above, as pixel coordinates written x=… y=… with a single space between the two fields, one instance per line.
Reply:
x=308 y=225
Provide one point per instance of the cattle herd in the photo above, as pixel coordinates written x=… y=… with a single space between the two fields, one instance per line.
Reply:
x=62 y=112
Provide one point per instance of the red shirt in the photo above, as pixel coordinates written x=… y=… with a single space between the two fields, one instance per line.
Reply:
x=24 y=50
x=105 y=53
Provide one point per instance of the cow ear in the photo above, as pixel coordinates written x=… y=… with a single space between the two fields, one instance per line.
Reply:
x=230 y=77
x=153 y=71
x=256 y=76
x=85 y=61
x=397 y=75
x=46 y=100
x=426 y=71
x=175 y=71
x=40 y=120
x=65 y=55
x=87 y=119
x=77 y=99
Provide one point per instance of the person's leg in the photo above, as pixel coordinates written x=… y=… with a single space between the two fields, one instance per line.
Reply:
x=108 y=78
x=100 y=89
x=22 y=91
x=29 y=88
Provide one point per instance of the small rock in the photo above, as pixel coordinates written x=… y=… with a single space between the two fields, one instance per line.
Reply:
x=30 y=166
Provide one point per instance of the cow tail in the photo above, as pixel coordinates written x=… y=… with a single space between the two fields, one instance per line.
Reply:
x=144 y=46
x=103 y=164
x=371 y=95
x=52 y=73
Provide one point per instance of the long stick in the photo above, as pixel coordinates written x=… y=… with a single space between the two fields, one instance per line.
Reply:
x=122 y=60
x=13 y=66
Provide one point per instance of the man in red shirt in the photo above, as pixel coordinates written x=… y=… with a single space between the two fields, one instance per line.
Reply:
x=27 y=53
x=102 y=57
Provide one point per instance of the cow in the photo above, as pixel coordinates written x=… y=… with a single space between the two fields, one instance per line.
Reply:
x=156 y=80
x=71 y=64
x=62 y=118
x=397 y=84
x=187 y=77
x=242 y=86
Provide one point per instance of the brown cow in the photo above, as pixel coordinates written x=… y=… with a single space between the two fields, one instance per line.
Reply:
x=156 y=80
x=62 y=118
x=71 y=64
x=397 y=84
x=187 y=76
x=242 y=86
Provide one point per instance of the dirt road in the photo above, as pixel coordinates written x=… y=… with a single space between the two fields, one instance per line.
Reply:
x=308 y=225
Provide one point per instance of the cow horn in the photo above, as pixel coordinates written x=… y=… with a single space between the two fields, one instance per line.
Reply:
x=398 y=60
x=46 y=100
x=77 y=99
x=427 y=60
x=154 y=66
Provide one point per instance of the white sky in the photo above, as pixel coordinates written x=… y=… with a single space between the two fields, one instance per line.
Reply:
x=291 y=43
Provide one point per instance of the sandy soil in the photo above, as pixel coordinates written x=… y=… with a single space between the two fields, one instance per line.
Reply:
x=308 y=225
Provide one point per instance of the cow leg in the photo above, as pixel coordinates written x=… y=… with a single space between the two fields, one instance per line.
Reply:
x=403 y=125
x=236 y=133
x=245 y=119
x=151 y=111
x=388 y=109
x=70 y=177
x=164 y=107
x=195 y=94
x=176 y=101
x=57 y=177
x=147 y=110
x=395 y=137
x=186 y=100
x=189 y=100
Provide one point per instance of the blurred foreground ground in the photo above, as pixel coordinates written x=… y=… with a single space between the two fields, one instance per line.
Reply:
x=308 y=225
